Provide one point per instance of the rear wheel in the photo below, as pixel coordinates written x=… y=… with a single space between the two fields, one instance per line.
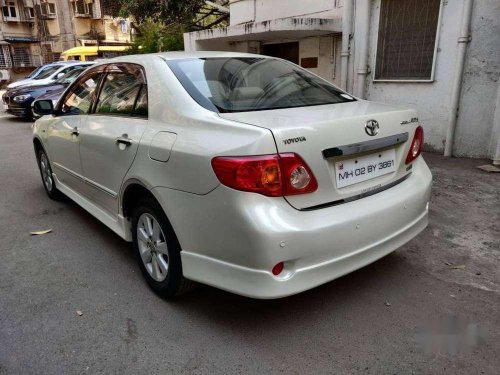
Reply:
x=47 y=178
x=157 y=250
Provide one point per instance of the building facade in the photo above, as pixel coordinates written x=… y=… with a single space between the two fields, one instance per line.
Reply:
x=441 y=57
x=35 y=32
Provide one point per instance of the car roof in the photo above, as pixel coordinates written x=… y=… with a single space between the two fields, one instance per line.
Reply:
x=178 y=55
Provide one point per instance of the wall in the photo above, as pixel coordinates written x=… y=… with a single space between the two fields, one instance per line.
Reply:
x=480 y=83
x=433 y=112
x=114 y=33
x=495 y=138
x=263 y=10
x=432 y=100
x=17 y=28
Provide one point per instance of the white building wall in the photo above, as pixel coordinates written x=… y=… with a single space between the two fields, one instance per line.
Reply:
x=432 y=100
x=475 y=125
x=264 y=10
x=476 y=130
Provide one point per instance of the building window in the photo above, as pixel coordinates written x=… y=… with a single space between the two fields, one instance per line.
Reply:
x=407 y=39
x=81 y=7
x=48 y=9
x=21 y=57
x=5 y=61
x=30 y=12
x=9 y=10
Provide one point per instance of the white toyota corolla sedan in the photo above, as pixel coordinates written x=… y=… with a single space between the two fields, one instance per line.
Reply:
x=235 y=170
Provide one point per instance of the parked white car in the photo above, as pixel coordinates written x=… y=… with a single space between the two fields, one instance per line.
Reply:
x=47 y=74
x=240 y=171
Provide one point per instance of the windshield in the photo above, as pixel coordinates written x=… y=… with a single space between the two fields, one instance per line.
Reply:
x=37 y=71
x=253 y=84
x=48 y=72
x=71 y=76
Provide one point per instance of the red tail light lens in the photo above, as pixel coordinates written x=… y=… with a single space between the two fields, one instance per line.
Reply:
x=416 y=145
x=270 y=175
x=278 y=268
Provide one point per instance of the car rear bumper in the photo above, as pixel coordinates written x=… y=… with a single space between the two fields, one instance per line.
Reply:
x=231 y=240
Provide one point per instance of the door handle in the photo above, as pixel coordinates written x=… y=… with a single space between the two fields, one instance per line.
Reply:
x=124 y=140
x=75 y=131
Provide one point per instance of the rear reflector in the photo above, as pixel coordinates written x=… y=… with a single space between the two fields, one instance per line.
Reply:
x=278 y=268
x=416 y=145
x=271 y=175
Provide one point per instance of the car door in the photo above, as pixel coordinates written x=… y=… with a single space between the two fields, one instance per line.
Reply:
x=112 y=131
x=64 y=129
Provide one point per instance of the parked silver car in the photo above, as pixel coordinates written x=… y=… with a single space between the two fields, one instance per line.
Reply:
x=240 y=171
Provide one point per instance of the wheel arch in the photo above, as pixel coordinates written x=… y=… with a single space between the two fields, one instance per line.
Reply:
x=132 y=192
x=37 y=145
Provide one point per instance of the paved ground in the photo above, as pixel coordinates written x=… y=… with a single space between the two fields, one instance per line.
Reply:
x=431 y=307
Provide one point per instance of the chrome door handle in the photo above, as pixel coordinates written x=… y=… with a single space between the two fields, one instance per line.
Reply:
x=124 y=139
x=75 y=131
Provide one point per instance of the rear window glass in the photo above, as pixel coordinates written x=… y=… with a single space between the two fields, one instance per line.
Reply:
x=253 y=84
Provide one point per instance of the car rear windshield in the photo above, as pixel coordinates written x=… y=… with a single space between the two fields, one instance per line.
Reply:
x=241 y=84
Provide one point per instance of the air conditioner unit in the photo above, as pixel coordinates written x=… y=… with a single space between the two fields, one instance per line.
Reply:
x=4 y=75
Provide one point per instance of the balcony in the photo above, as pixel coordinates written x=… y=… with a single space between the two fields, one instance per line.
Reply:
x=21 y=59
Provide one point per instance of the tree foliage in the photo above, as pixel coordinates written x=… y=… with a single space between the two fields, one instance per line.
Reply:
x=166 y=11
x=161 y=23
x=156 y=36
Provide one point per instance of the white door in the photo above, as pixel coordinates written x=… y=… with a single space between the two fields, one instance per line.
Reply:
x=64 y=131
x=111 y=134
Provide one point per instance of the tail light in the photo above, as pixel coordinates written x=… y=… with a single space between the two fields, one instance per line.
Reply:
x=416 y=145
x=271 y=175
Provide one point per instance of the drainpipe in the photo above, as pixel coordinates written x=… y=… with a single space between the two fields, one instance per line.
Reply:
x=346 y=36
x=496 y=156
x=364 y=18
x=463 y=40
x=496 y=130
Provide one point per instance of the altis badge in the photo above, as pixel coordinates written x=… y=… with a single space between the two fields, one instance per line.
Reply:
x=410 y=121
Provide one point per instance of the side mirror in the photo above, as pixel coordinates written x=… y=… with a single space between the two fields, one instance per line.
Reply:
x=60 y=75
x=43 y=107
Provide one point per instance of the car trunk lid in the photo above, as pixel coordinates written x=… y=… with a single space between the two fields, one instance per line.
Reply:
x=348 y=160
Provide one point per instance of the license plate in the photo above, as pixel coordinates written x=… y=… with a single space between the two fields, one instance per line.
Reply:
x=363 y=168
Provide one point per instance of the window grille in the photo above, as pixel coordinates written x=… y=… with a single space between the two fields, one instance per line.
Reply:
x=5 y=61
x=406 y=39
x=21 y=57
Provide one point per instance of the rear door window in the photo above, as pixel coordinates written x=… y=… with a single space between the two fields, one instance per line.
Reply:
x=123 y=92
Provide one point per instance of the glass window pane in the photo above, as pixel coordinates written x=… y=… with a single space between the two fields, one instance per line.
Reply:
x=119 y=93
x=253 y=84
x=141 y=108
x=81 y=97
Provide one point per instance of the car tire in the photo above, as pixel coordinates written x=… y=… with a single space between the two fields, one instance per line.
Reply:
x=30 y=116
x=157 y=250
x=47 y=179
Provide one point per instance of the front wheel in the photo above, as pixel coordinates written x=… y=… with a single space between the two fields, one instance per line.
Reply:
x=47 y=178
x=157 y=250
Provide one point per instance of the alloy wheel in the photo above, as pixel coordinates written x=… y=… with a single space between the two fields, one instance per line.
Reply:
x=152 y=247
x=46 y=172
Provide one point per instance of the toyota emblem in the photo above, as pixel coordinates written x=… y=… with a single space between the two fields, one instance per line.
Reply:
x=371 y=127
